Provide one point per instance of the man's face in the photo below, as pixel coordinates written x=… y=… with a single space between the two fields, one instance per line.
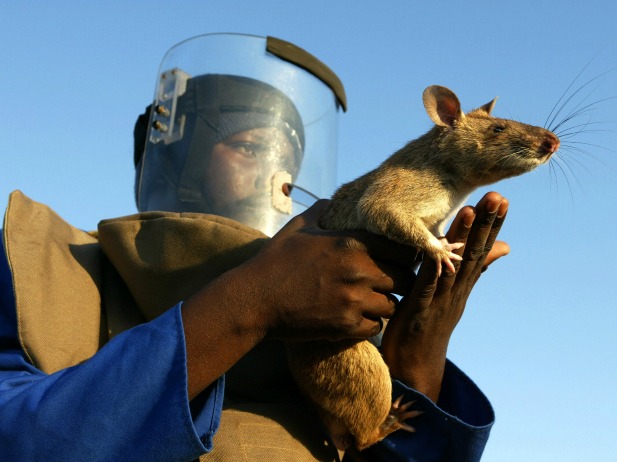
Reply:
x=241 y=166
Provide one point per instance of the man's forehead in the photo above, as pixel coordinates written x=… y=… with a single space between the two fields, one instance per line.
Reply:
x=262 y=135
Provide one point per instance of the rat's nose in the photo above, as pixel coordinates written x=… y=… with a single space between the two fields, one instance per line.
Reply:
x=550 y=143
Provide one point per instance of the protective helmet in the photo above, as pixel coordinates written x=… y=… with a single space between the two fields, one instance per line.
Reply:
x=239 y=125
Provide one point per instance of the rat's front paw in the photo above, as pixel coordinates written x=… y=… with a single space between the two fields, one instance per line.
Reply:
x=442 y=252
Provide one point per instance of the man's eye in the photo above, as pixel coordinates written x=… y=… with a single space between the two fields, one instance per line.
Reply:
x=249 y=149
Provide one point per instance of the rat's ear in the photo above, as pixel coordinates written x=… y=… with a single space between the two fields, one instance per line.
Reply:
x=488 y=107
x=442 y=106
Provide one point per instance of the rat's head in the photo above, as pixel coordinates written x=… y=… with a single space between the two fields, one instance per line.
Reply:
x=488 y=148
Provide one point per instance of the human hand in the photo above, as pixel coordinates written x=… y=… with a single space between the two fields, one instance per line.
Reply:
x=305 y=283
x=415 y=341
x=315 y=283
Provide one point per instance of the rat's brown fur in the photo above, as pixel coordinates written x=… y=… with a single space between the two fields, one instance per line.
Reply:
x=315 y=362
x=409 y=199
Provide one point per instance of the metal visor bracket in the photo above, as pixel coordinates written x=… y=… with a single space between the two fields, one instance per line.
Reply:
x=167 y=125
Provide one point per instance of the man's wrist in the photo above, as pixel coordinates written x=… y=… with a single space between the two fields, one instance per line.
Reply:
x=421 y=370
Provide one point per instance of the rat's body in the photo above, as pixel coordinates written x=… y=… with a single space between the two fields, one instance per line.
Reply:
x=409 y=199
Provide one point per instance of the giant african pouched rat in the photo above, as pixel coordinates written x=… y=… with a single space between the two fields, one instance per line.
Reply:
x=409 y=199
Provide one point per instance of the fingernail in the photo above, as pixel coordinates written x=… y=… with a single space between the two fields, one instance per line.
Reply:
x=468 y=220
x=493 y=206
x=503 y=208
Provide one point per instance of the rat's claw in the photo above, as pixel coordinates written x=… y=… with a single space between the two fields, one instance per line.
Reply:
x=407 y=427
x=394 y=421
x=397 y=402
x=401 y=409
x=398 y=414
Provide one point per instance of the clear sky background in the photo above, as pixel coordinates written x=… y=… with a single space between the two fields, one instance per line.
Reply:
x=538 y=335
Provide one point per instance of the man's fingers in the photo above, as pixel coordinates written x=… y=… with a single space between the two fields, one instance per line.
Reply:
x=483 y=232
x=461 y=225
x=500 y=249
x=496 y=249
x=393 y=278
x=312 y=215
x=383 y=249
x=377 y=247
x=498 y=222
x=428 y=282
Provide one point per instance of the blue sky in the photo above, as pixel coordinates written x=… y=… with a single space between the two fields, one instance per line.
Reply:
x=538 y=335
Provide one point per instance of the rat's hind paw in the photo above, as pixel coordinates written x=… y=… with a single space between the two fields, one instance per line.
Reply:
x=395 y=420
x=397 y=416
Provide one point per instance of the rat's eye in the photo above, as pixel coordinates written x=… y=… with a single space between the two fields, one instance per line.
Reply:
x=498 y=128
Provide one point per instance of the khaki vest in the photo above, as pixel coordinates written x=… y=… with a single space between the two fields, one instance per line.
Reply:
x=76 y=290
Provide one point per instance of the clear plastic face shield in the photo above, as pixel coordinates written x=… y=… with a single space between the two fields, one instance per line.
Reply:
x=243 y=127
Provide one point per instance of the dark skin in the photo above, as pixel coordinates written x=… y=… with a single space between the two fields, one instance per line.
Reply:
x=309 y=283
x=416 y=340
x=305 y=283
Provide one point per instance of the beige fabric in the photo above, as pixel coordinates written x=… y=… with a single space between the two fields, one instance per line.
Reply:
x=58 y=317
x=140 y=266
x=273 y=433
x=59 y=273
x=165 y=257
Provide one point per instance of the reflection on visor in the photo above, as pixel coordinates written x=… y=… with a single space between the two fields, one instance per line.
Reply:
x=232 y=128
x=243 y=165
x=273 y=208
x=267 y=146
